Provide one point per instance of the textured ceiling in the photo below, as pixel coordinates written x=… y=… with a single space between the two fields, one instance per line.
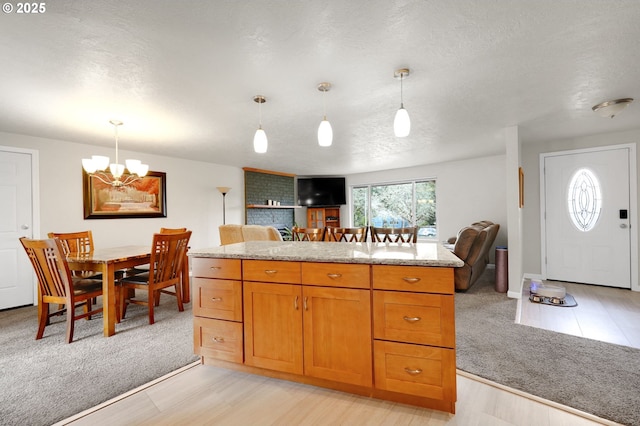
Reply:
x=182 y=76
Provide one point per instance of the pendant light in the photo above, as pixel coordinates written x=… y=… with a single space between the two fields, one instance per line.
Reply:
x=325 y=132
x=402 y=122
x=260 y=141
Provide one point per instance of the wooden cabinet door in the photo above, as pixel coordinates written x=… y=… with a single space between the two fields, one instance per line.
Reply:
x=337 y=334
x=273 y=326
x=315 y=218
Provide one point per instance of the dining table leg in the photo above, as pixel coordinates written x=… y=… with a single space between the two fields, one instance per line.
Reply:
x=108 y=300
x=186 y=292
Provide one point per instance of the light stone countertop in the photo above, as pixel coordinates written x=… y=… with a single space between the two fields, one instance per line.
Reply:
x=407 y=254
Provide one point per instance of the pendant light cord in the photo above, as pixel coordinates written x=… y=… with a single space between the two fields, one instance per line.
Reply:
x=401 y=91
x=324 y=102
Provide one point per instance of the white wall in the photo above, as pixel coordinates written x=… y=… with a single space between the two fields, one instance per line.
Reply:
x=530 y=161
x=466 y=191
x=192 y=198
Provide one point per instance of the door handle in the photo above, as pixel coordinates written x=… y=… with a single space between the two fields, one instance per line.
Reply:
x=623 y=225
x=24 y=227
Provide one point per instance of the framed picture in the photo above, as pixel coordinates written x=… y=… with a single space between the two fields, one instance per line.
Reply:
x=143 y=197
x=520 y=188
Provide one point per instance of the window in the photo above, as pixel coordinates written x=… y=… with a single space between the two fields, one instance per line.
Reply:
x=584 y=200
x=397 y=205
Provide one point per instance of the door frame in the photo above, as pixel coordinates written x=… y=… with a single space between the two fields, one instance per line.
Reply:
x=35 y=199
x=633 y=205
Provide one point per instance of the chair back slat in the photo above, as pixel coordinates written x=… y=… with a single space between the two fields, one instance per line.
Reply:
x=394 y=235
x=74 y=242
x=167 y=256
x=80 y=242
x=50 y=266
x=307 y=234
x=350 y=235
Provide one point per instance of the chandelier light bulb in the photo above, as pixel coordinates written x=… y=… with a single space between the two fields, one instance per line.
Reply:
x=88 y=165
x=117 y=170
x=101 y=162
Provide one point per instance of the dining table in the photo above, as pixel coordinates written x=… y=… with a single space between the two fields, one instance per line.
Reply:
x=109 y=260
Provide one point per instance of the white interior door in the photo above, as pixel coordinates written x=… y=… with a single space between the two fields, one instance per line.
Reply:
x=587 y=199
x=16 y=220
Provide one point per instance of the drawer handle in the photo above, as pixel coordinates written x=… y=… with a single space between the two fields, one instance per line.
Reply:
x=215 y=268
x=270 y=271
x=218 y=339
x=334 y=276
x=412 y=319
x=411 y=280
x=413 y=371
x=216 y=299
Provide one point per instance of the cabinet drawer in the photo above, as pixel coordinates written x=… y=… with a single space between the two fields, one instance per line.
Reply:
x=218 y=339
x=271 y=271
x=416 y=370
x=413 y=278
x=220 y=299
x=206 y=267
x=336 y=275
x=426 y=319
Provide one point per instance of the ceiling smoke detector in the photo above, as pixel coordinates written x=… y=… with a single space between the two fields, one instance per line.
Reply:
x=611 y=108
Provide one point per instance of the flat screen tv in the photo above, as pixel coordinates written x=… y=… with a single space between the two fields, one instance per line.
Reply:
x=321 y=191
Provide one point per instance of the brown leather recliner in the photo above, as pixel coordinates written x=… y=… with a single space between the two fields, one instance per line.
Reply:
x=473 y=246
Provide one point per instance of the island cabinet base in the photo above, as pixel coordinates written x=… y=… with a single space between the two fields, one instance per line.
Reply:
x=376 y=330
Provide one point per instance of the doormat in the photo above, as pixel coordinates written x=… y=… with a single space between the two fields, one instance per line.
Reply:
x=568 y=302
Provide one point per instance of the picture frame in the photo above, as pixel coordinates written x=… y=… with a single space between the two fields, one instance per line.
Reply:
x=520 y=188
x=144 y=197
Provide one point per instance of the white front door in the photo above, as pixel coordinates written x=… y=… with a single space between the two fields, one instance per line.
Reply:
x=16 y=220
x=587 y=225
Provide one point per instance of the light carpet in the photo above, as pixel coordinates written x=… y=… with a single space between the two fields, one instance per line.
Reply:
x=45 y=381
x=589 y=375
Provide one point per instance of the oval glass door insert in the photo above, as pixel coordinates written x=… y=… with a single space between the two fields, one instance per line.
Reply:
x=584 y=200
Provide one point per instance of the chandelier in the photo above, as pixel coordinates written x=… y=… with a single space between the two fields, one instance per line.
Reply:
x=96 y=166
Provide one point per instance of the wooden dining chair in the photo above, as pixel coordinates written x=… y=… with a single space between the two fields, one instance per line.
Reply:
x=358 y=235
x=77 y=242
x=172 y=230
x=57 y=285
x=145 y=268
x=168 y=253
x=307 y=234
x=394 y=235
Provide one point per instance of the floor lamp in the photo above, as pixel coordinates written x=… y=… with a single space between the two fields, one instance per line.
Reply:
x=223 y=190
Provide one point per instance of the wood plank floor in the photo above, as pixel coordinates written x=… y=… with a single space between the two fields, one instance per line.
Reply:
x=204 y=395
x=603 y=313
